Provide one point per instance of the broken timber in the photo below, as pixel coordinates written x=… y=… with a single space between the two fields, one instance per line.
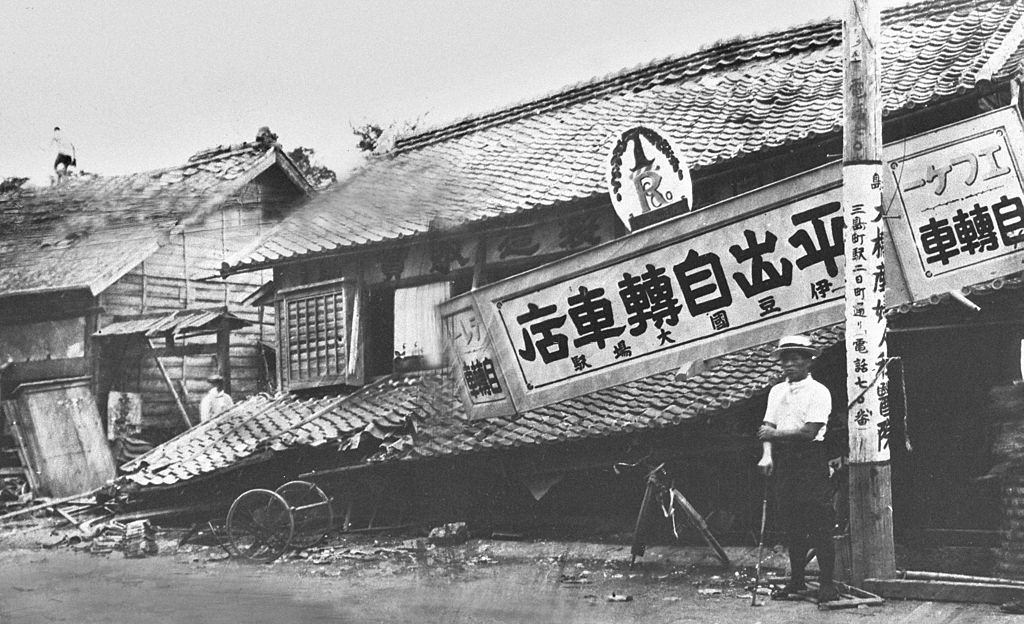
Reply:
x=945 y=591
x=48 y=504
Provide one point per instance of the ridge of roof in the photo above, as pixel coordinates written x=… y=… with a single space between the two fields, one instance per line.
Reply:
x=533 y=159
x=714 y=56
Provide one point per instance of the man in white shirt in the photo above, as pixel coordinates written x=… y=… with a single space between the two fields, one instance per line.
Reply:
x=215 y=400
x=792 y=436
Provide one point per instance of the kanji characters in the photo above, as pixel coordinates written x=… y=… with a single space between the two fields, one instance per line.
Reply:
x=1010 y=219
x=481 y=378
x=764 y=276
x=862 y=417
x=821 y=289
x=768 y=306
x=622 y=350
x=703 y=283
x=552 y=346
x=592 y=315
x=648 y=297
x=827 y=243
x=975 y=230
x=518 y=243
x=719 y=320
x=938 y=240
x=580 y=364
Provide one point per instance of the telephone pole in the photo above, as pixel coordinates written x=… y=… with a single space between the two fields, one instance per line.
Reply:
x=872 y=551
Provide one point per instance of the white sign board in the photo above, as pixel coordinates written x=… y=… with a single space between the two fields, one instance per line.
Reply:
x=757 y=266
x=483 y=388
x=955 y=203
x=662 y=295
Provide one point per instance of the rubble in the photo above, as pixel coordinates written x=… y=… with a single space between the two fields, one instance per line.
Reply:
x=450 y=534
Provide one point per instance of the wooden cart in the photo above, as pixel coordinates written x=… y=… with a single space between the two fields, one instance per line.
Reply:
x=262 y=524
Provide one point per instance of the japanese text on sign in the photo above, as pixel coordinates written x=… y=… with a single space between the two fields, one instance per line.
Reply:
x=769 y=265
x=963 y=201
x=473 y=357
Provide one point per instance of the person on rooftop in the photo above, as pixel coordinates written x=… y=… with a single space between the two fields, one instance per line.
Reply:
x=65 y=154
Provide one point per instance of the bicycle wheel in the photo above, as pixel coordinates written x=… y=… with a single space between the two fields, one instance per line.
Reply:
x=311 y=510
x=260 y=525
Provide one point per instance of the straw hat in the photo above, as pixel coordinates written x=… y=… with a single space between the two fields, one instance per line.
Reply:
x=800 y=344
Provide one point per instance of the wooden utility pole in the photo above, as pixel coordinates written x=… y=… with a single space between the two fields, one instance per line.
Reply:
x=872 y=553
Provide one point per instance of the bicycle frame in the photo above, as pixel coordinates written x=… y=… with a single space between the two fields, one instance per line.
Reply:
x=655 y=486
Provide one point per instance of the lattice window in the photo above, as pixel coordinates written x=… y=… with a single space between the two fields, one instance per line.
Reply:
x=315 y=337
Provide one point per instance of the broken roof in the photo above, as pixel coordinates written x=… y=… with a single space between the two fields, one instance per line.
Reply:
x=419 y=415
x=731 y=100
x=181 y=323
x=87 y=231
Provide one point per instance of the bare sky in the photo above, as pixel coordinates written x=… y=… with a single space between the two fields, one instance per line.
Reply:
x=142 y=85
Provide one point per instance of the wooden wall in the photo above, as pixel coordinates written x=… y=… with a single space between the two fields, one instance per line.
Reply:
x=182 y=274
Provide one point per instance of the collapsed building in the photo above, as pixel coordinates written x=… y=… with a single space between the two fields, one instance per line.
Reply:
x=101 y=297
x=500 y=206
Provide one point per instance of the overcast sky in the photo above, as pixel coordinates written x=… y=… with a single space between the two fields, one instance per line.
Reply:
x=142 y=85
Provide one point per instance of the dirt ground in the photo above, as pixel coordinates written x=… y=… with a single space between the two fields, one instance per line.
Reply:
x=396 y=579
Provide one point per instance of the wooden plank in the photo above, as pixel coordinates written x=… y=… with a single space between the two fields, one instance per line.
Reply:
x=59 y=422
x=190 y=349
x=25 y=453
x=944 y=591
x=170 y=386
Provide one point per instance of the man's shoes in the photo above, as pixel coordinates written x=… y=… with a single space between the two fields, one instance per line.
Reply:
x=791 y=591
x=827 y=592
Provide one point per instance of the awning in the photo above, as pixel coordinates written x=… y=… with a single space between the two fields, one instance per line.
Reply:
x=182 y=323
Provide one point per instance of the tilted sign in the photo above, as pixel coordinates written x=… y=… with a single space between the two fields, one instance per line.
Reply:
x=958 y=197
x=482 y=387
x=641 y=306
x=752 y=268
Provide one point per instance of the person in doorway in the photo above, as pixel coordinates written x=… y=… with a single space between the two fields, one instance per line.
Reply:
x=65 y=154
x=215 y=400
x=793 y=434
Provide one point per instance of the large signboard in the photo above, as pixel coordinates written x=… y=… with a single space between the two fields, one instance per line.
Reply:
x=768 y=265
x=740 y=273
x=955 y=203
x=664 y=294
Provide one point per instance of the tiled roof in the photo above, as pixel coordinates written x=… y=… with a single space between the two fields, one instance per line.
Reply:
x=66 y=235
x=728 y=101
x=418 y=415
x=179 y=323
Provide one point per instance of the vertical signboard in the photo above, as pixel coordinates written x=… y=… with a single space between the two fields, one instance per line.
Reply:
x=954 y=202
x=482 y=385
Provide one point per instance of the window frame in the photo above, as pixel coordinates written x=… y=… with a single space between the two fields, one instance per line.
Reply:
x=338 y=374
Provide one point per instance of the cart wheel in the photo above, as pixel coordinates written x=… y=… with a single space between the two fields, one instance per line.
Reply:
x=260 y=525
x=312 y=511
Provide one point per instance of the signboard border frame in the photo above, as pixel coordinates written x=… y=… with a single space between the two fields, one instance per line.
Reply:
x=474 y=411
x=758 y=201
x=904 y=242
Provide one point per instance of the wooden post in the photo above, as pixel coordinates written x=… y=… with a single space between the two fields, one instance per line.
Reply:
x=872 y=551
x=170 y=385
x=224 y=354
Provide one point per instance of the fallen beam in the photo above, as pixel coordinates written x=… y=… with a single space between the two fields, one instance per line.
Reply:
x=48 y=504
x=944 y=591
x=915 y=575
